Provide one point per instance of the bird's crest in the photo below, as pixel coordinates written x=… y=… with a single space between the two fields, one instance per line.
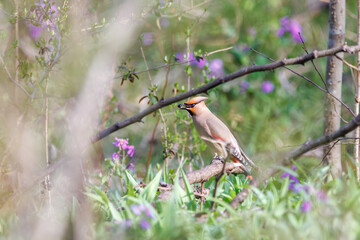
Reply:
x=196 y=100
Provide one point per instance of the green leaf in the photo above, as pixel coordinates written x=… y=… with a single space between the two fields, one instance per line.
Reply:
x=131 y=179
x=114 y=213
x=188 y=187
x=150 y=190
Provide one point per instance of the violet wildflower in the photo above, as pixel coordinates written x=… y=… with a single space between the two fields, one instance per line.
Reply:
x=306 y=206
x=126 y=223
x=193 y=60
x=245 y=85
x=217 y=67
x=137 y=209
x=130 y=150
x=164 y=22
x=148 y=212
x=144 y=224
x=121 y=143
x=179 y=57
x=200 y=62
x=115 y=156
x=43 y=19
x=35 y=31
x=147 y=39
x=321 y=195
x=267 y=87
x=292 y=26
x=130 y=166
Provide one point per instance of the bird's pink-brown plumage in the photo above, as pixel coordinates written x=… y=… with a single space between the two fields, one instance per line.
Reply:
x=213 y=131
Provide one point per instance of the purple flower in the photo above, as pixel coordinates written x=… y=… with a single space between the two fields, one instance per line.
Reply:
x=121 y=143
x=148 y=212
x=137 y=208
x=164 y=22
x=35 y=31
x=217 y=67
x=130 y=150
x=126 y=223
x=267 y=87
x=147 y=38
x=245 y=85
x=306 y=206
x=144 y=224
x=130 y=166
x=321 y=195
x=179 y=57
x=44 y=17
x=200 y=62
x=291 y=26
x=115 y=156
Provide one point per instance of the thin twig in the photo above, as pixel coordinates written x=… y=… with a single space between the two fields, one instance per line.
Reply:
x=221 y=80
x=47 y=179
x=310 y=81
x=10 y=77
x=357 y=98
x=316 y=69
x=346 y=63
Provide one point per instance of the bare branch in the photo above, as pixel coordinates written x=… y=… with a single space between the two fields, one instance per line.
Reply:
x=204 y=88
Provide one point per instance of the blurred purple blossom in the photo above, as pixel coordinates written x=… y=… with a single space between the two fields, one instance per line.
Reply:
x=35 y=31
x=148 y=212
x=126 y=223
x=287 y=174
x=144 y=224
x=45 y=15
x=147 y=39
x=115 y=156
x=321 y=195
x=164 y=22
x=292 y=26
x=137 y=209
x=179 y=57
x=245 y=85
x=197 y=60
x=130 y=150
x=123 y=144
x=306 y=206
x=200 y=62
x=130 y=166
x=267 y=87
x=217 y=67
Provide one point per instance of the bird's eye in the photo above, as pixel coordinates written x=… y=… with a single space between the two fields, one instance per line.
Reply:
x=191 y=105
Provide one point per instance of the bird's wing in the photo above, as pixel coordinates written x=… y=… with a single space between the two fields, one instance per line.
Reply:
x=218 y=130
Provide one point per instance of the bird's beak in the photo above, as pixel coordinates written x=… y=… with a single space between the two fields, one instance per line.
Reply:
x=182 y=106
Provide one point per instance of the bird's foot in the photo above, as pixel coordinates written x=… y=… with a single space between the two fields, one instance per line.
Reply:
x=217 y=158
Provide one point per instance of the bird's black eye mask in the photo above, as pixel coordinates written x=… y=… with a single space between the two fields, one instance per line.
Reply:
x=185 y=106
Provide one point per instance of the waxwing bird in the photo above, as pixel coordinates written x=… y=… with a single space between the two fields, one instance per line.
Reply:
x=215 y=133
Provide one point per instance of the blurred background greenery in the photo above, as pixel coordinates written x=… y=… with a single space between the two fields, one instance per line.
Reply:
x=48 y=51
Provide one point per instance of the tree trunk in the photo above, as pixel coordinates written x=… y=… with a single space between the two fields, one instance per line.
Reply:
x=334 y=70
